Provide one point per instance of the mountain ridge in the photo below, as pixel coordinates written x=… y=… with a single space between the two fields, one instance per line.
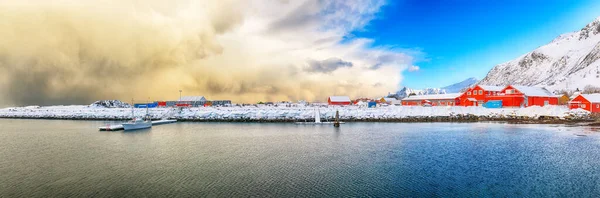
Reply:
x=568 y=62
x=453 y=88
x=457 y=87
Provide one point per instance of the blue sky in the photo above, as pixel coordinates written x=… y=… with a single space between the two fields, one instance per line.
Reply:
x=461 y=39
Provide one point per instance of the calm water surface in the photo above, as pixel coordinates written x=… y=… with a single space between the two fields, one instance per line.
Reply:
x=49 y=158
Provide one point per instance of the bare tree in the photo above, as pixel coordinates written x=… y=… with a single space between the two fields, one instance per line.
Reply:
x=589 y=89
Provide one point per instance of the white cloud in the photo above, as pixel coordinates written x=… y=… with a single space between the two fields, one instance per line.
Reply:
x=241 y=50
x=413 y=68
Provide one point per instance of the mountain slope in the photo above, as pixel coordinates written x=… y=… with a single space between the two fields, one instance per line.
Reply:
x=455 y=88
x=405 y=91
x=568 y=62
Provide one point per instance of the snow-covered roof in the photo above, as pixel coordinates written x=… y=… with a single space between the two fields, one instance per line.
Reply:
x=434 y=97
x=593 y=98
x=575 y=95
x=193 y=98
x=533 y=91
x=339 y=98
x=491 y=88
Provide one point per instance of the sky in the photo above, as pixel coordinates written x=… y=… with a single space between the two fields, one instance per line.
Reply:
x=457 y=39
x=246 y=51
x=79 y=51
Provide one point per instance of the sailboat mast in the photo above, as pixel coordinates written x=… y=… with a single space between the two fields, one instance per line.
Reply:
x=147 y=113
x=132 y=113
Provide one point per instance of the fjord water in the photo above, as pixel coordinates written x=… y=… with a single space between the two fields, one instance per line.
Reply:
x=50 y=158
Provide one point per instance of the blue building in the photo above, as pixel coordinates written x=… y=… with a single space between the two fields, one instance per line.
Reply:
x=144 y=105
x=493 y=104
x=372 y=104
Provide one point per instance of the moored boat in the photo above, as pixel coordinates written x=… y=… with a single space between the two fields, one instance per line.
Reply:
x=138 y=123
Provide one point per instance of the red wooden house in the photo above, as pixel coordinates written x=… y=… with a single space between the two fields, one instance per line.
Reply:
x=523 y=96
x=339 y=100
x=478 y=95
x=589 y=102
x=433 y=100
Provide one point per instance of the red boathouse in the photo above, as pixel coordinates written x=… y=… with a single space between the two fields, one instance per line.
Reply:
x=523 y=96
x=589 y=102
x=339 y=100
x=432 y=100
x=478 y=95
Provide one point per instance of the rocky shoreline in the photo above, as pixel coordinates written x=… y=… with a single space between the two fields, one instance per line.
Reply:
x=415 y=119
x=268 y=114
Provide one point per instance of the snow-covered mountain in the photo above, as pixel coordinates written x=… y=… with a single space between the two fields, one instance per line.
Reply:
x=455 y=88
x=568 y=62
x=405 y=91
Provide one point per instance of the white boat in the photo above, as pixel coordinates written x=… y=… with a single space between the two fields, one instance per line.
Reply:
x=317 y=119
x=138 y=123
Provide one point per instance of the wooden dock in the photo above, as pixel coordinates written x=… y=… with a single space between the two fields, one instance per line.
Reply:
x=119 y=127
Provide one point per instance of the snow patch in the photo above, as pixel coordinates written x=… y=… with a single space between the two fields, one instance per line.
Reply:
x=295 y=113
x=110 y=104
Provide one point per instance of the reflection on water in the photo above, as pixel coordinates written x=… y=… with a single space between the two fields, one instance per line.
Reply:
x=42 y=158
x=336 y=132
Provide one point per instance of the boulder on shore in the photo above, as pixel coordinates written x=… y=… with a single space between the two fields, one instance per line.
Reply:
x=110 y=104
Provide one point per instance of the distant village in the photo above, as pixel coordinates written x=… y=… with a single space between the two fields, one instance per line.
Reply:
x=510 y=96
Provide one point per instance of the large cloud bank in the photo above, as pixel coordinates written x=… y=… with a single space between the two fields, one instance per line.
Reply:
x=75 y=52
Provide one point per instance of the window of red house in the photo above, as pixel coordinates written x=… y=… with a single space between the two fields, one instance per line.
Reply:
x=469 y=93
x=480 y=92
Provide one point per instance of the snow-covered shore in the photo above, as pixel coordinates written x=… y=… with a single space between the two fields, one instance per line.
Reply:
x=269 y=113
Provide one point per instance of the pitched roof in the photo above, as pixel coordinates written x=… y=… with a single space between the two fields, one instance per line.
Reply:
x=339 y=98
x=434 y=97
x=593 y=98
x=533 y=91
x=491 y=88
x=192 y=98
